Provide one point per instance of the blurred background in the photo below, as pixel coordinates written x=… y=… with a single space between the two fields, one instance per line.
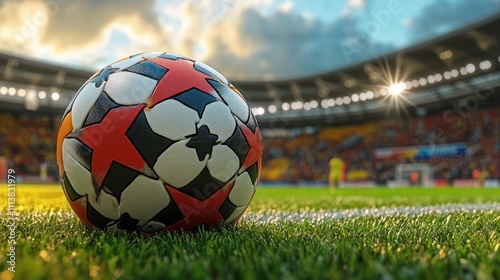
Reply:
x=404 y=93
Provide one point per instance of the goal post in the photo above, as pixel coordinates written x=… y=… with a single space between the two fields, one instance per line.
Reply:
x=414 y=174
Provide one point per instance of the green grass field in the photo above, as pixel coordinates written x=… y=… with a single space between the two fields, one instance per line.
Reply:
x=53 y=244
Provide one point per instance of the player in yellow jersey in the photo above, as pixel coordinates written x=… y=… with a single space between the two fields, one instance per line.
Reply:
x=337 y=168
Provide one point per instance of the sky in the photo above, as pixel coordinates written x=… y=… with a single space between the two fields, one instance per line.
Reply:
x=253 y=40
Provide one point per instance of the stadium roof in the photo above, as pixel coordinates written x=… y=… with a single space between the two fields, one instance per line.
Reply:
x=427 y=75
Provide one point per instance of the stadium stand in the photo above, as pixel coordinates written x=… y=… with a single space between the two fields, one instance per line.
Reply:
x=305 y=158
x=29 y=145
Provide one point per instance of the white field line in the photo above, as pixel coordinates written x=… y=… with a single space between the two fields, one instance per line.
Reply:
x=327 y=215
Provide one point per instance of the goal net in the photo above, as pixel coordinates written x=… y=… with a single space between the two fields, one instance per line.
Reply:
x=415 y=174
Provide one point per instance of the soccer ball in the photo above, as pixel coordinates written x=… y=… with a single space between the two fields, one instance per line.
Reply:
x=158 y=141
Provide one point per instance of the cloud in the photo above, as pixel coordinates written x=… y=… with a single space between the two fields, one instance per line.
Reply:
x=353 y=5
x=261 y=39
x=20 y=22
x=286 y=7
x=69 y=27
x=444 y=15
x=82 y=23
x=408 y=22
x=283 y=44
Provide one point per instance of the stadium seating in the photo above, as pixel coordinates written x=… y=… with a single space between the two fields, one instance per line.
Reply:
x=305 y=158
x=29 y=142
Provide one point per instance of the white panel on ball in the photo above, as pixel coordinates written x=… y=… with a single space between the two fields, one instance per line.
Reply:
x=82 y=183
x=215 y=72
x=144 y=198
x=238 y=106
x=128 y=88
x=179 y=165
x=219 y=120
x=223 y=163
x=172 y=119
x=237 y=211
x=79 y=176
x=126 y=63
x=83 y=103
x=151 y=227
x=106 y=204
x=242 y=191
x=150 y=54
x=69 y=146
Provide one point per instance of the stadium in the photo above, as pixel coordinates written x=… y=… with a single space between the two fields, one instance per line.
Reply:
x=416 y=127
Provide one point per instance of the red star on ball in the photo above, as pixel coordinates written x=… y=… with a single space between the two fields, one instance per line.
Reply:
x=198 y=212
x=181 y=76
x=109 y=142
x=255 y=142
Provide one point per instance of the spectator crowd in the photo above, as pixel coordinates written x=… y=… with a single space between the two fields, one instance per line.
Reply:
x=305 y=158
x=28 y=143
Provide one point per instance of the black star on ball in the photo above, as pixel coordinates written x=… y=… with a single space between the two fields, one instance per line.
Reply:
x=203 y=141
x=103 y=76
x=126 y=222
